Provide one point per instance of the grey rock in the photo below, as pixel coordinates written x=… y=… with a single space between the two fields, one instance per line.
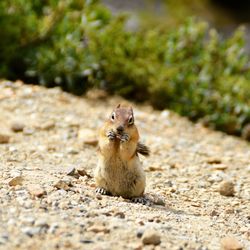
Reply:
x=31 y=231
x=41 y=222
x=71 y=171
x=28 y=131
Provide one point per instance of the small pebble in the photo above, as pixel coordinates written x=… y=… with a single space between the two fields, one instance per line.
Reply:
x=28 y=131
x=98 y=229
x=119 y=215
x=31 y=231
x=42 y=222
x=4 y=138
x=62 y=185
x=71 y=171
x=18 y=180
x=36 y=190
x=227 y=188
x=47 y=125
x=17 y=127
x=81 y=171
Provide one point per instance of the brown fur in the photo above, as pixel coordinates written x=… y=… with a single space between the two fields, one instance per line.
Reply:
x=119 y=170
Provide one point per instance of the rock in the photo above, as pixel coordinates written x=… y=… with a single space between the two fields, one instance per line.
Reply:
x=98 y=229
x=62 y=185
x=68 y=180
x=36 y=190
x=42 y=222
x=140 y=231
x=151 y=237
x=84 y=241
x=4 y=138
x=165 y=114
x=154 y=168
x=4 y=238
x=31 y=231
x=72 y=151
x=53 y=227
x=215 y=177
x=156 y=199
x=227 y=188
x=87 y=136
x=219 y=167
x=119 y=215
x=27 y=220
x=230 y=243
x=47 y=125
x=214 y=213
x=18 y=180
x=28 y=131
x=71 y=171
x=15 y=173
x=202 y=184
x=213 y=161
x=17 y=127
x=82 y=172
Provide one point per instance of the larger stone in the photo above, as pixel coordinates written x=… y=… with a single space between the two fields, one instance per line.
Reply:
x=36 y=190
x=230 y=243
x=18 y=180
x=4 y=138
x=151 y=237
x=226 y=188
x=87 y=136
x=62 y=185
x=17 y=127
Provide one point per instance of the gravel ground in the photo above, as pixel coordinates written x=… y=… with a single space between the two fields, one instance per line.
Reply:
x=48 y=155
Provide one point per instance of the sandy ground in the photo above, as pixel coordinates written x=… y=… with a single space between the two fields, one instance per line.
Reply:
x=47 y=192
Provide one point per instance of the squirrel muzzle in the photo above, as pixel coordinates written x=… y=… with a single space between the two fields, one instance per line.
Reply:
x=120 y=129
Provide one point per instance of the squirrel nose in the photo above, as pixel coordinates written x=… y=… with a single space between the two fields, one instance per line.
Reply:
x=120 y=129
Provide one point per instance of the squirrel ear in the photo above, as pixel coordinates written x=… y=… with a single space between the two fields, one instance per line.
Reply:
x=118 y=106
x=131 y=109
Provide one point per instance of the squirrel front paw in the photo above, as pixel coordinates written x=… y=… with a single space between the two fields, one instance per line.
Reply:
x=111 y=135
x=125 y=137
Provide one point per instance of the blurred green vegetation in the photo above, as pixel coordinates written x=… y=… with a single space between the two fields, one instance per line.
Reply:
x=78 y=44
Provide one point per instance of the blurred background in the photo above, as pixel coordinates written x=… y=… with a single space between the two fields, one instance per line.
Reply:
x=188 y=56
x=222 y=14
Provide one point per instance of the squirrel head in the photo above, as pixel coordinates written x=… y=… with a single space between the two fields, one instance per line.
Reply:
x=122 y=118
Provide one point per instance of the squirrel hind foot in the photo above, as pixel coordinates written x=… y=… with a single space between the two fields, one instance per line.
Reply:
x=102 y=191
x=142 y=200
x=142 y=149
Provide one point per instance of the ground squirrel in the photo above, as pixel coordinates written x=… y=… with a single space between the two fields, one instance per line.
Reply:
x=119 y=171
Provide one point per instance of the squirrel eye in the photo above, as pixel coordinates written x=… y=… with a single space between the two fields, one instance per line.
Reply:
x=113 y=116
x=131 y=120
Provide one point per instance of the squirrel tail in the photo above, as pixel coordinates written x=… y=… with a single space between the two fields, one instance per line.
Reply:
x=142 y=149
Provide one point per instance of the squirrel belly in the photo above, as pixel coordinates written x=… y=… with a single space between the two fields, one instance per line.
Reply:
x=120 y=178
x=119 y=171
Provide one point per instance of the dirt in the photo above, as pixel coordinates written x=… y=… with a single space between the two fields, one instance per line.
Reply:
x=47 y=191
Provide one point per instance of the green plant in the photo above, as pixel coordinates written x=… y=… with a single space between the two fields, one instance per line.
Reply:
x=78 y=44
